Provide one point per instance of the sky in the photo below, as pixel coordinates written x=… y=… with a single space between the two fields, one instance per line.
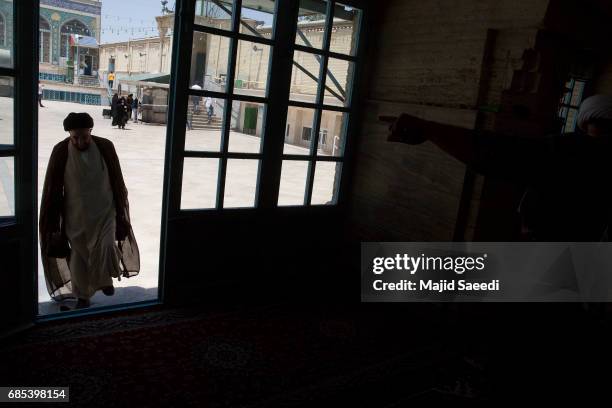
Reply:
x=126 y=19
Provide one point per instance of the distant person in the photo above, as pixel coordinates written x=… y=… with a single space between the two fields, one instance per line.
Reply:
x=567 y=198
x=86 y=237
x=195 y=99
x=135 y=108
x=130 y=102
x=122 y=113
x=111 y=79
x=40 y=95
x=114 y=110
x=209 y=108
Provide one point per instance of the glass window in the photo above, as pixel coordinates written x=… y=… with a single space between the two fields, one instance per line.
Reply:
x=252 y=63
x=338 y=82
x=305 y=77
x=240 y=183
x=216 y=14
x=6 y=34
x=246 y=130
x=293 y=182
x=7 y=187
x=200 y=178
x=333 y=133
x=300 y=122
x=325 y=185
x=311 y=23
x=345 y=27
x=209 y=61
x=6 y=111
x=204 y=127
x=257 y=18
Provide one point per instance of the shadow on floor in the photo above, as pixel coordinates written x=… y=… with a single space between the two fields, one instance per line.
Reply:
x=128 y=294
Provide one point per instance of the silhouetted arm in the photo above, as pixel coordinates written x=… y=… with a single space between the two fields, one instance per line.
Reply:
x=488 y=153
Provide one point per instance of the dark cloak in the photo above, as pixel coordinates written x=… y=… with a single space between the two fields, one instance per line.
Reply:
x=114 y=103
x=51 y=223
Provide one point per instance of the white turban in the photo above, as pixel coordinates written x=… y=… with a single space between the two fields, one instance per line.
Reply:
x=594 y=107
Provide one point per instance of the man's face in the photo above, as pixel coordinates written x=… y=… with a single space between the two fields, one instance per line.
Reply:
x=80 y=138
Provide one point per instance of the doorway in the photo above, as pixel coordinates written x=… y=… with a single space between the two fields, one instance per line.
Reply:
x=88 y=60
x=140 y=144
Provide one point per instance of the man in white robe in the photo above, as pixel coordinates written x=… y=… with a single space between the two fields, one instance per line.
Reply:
x=85 y=204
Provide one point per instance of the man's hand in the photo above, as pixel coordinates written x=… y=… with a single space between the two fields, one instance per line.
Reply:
x=122 y=229
x=406 y=129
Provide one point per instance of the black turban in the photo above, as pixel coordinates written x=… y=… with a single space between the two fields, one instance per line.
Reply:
x=78 y=121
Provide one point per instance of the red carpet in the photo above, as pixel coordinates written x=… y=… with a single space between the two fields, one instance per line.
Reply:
x=267 y=356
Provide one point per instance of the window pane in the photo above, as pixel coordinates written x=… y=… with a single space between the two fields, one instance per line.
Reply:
x=246 y=129
x=7 y=187
x=6 y=34
x=199 y=183
x=6 y=111
x=252 y=69
x=338 y=80
x=257 y=18
x=577 y=93
x=332 y=133
x=570 y=123
x=344 y=29
x=240 y=183
x=305 y=76
x=217 y=14
x=325 y=186
x=209 y=60
x=204 y=124
x=298 y=130
x=293 y=182
x=311 y=23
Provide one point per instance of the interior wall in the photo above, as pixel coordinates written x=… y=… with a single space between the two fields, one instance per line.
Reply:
x=436 y=60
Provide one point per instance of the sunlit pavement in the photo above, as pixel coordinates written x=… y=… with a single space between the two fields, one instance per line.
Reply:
x=141 y=150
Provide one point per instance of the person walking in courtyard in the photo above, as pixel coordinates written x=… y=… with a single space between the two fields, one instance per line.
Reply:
x=122 y=113
x=195 y=99
x=114 y=109
x=86 y=237
x=135 y=107
x=40 y=95
x=129 y=102
x=209 y=108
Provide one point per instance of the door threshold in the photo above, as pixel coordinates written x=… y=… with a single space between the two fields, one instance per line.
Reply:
x=95 y=311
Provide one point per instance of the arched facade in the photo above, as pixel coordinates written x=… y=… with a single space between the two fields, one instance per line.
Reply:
x=73 y=26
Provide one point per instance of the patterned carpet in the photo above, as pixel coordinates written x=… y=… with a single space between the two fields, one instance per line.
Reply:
x=266 y=356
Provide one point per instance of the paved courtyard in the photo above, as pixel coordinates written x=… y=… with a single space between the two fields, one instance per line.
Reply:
x=141 y=151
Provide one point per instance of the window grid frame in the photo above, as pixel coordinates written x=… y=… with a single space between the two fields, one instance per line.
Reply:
x=566 y=103
x=319 y=106
x=229 y=96
x=11 y=150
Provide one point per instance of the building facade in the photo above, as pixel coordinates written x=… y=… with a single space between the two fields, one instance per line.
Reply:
x=209 y=65
x=59 y=21
x=69 y=34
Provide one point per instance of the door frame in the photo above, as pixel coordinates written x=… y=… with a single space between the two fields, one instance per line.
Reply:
x=21 y=230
